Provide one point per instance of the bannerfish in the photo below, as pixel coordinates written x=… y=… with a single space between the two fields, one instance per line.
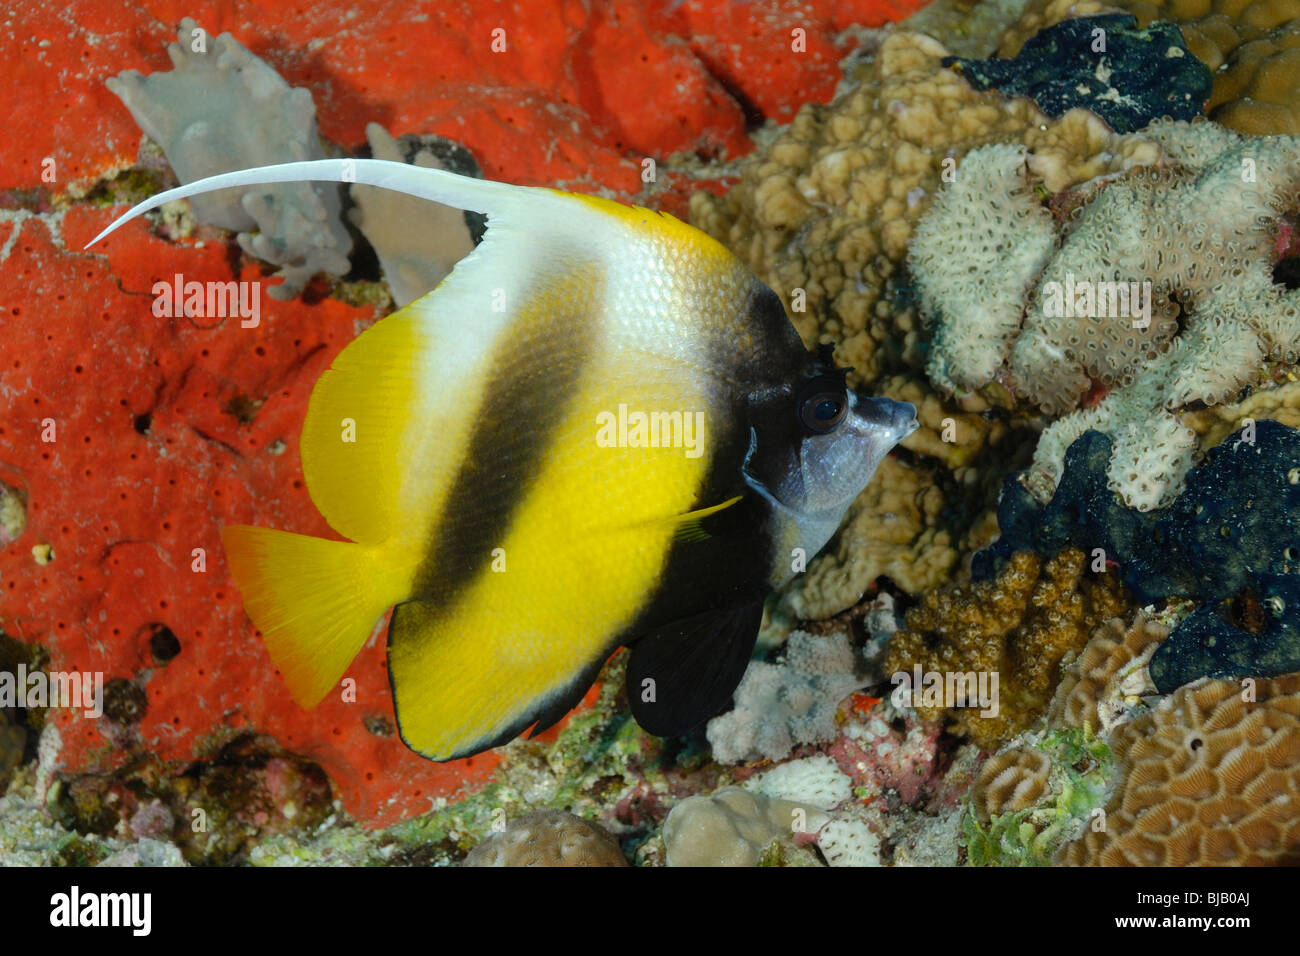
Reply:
x=600 y=429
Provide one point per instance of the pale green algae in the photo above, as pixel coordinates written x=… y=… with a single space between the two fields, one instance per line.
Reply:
x=1079 y=783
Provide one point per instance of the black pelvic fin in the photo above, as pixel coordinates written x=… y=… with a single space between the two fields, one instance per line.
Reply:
x=685 y=672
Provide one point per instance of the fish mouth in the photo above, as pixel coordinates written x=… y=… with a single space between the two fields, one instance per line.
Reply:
x=905 y=419
x=896 y=418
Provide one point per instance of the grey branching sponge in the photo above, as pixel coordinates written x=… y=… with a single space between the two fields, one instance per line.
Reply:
x=223 y=109
x=417 y=241
x=548 y=838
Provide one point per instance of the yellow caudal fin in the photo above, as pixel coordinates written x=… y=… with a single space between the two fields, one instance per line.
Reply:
x=315 y=601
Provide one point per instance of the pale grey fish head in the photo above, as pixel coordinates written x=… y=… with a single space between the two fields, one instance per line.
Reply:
x=837 y=466
x=810 y=478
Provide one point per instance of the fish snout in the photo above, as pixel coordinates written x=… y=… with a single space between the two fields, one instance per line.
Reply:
x=896 y=418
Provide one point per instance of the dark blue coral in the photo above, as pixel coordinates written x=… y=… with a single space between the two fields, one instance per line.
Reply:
x=1141 y=76
x=1231 y=541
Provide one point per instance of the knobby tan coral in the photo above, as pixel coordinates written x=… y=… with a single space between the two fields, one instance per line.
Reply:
x=1020 y=625
x=1110 y=677
x=1210 y=777
x=548 y=838
x=1010 y=781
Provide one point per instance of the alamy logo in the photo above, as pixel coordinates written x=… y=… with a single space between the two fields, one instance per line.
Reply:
x=213 y=300
x=946 y=689
x=1098 y=300
x=75 y=908
x=634 y=429
x=32 y=689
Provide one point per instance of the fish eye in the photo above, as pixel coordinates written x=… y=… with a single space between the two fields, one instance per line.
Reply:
x=822 y=405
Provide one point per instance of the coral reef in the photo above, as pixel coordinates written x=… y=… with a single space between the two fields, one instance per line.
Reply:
x=810 y=782
x=1248 y=46
x=732 y=827
x=1010 y=781
x=824 y=214
x=1140 y=75
x=1228 y=541
x=214 y=810
x=897 y=528
x=1215 y=423
x=1018 y=627
x=224 y=109
x=849 y=843
x=1145 y=301
x=1104 y=687
x=13 y=741
x=778 y=706
x=1033 y=796
x=548 y=838
x=417 y=243
x=1210 y=777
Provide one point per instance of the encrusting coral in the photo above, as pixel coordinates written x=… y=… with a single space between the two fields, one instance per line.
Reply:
x=223 y=109
x=1252 y=47
x=548 y=838
x=1147 y=300
x=1018 y=627
x=1210 y=777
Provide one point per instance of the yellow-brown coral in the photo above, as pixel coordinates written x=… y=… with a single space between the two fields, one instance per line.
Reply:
x=1252 y=49
x=1210 y=777
x=1019 y=625
x=548 y=838
x=1110 y=676
x=1009 y=781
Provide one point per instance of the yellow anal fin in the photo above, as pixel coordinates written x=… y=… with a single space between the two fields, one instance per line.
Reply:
x=314 y=600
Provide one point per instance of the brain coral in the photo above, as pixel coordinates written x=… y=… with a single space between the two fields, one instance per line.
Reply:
x=1210 y=777
x=1251 y=46
x=548 y=838
x=1107 y=681
x=1010 y=781
x=1018 y=626
x=1212 y=317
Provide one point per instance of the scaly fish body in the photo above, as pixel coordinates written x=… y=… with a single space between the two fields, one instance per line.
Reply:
x=486 y=452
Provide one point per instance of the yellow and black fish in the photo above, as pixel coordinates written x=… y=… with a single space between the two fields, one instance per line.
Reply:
x=599 y=429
